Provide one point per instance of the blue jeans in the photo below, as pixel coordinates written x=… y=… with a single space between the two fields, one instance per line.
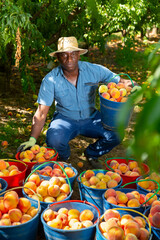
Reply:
x=63 y=129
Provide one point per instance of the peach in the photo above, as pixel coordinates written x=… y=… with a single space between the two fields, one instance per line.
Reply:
x=134 y=174
x=35 y=149
x=57 y=166
x=115 y=233
x=14 y=172
x=42 y=190
x=10 y=200
x=41 y=159
x=16 y=223
x=88 y=174
x=55 y=181
x=123 y=167
x=56 y=172
x=114 y=164
x=5 y=222
x=155 y=209
x=61 y=197
x=136 y=194
x=72 y=221
x=141 y=221
x=44 y=183
x=63 y=218
x=110 y=193
x=3 y=165
x=48 y=155
x=28 y=187
x=65 y=188
x=112 y=183
x=86 y=215
x=103 y=88
x=73 y=213
x=123 y=92
x=69 y=171
x=94 y=180
x=124 y=99
x=133 y=203
x=55 y=223
x=66 y=228
x=4 y=144
x=101 y=185
x=115 y=93
x=86 y=183
x=39 y=155
x=62 y=180
x=109 y=173
x=128 y=173
x=26 y=160
x=111 y=85
x=2 y=207
x=63 y=210
x=11 y=167
x=6 y=215
x=100 y=175
x=121 y=198
x=28 y=154
x=15 y=215
x=43 y=149
x=124 y=219
x=144 y=184
x=110 y=213
x=106 y=178
x=128 y=89
x=130 y=236
x=112 y=200
x=116 y=177
x=144 y=234
x=130 y=195
x=5 y=172
x=151 y=186
x=112 y=222
x=156 y=202
x=32 y=211
x=118 y=171
x=132 y=165
x=24 y=204
x=21 y=155
x=138 y=170
x=106 y=95
x=148 y=195
x=53 y=190
x=103 y=227
x=156 y=220
x=34 y=178
x=77 y=225
x=120 y=85
x=25 y=218
x=87 y=223
x=49 y=199
x=132 y=227
x=142 y=198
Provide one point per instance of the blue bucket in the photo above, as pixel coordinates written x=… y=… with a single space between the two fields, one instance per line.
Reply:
x=93 y=195
x=4 y=186
x=25 y=231
x=109 y=113
x=51 y=164
x=143 y=190
x=99 y=235
x=155 y=231
x=80 y=234
x=107 y=205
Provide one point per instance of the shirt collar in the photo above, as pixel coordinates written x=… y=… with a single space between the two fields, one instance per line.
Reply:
x=60 y=71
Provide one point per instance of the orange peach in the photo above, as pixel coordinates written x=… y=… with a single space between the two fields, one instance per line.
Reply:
x=73 y=213
x=144 y=184
x=109 y=193
x=24 y=204
x=11 y=167
x=55 y=223
x=6 y=215
x=106 y=178
x=138 y=170
x=124 y=99
x=59 y=167
x=123 y=167
x=123 y=92
x=5 y=222
x=156 y=220
x=61 y=197
x=106 y=95
x=32 y=211
x=14 y=172
x=87 y=223
x=115 y=93
x=112 y=200
x=15 y=214
x=130 y=195
x=101 y=185
x=69 y=171
x=65 y=188
x=110 y=213
x=148 y=195
x=35 y=149
x=43 y=149
x=72 y=221
x=2 y=207
x=142 y=198
x=10 y=200
x=77 y=225
x=133 y=203
x=34 y=178
x=134 y=174
x=55 y=181
x=156 y=202
x=136 y=194
x=111 y=85
x=114 y=164
x=130 y=236
x=86 y=183
x=49 y=199
x=124 y=219
x=28 y=154
x=94 y=180
x=42 y=190
x=121 y=198
x=3 y=165
x=63 y=210
x=4 y=143
x=132 y=165
x=112 y=183
x=16 y=223
x=115 y=233
x=132 y=227
x=28 y=187
x=144 y=234
x=116 y=177
x=48 y=155
x=141 y=221
x=39 y=155
x=53 y=190
x=86 y=215
x=88 y=174
x=5 y=172
x=128 y=173
x=100 y=175
x=48 y=215
x=56 y=172
x=103 y=88
x=63 y=218
x=41 y=159
x=25 y=218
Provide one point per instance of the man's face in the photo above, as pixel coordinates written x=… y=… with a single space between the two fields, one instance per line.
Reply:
x=69 y=60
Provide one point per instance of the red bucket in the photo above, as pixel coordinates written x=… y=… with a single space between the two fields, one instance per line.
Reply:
x=127 y=179
x=31 y=164
x=18 y=179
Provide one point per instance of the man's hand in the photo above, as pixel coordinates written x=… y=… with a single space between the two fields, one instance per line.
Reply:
x=28 y=144
x=138 y=96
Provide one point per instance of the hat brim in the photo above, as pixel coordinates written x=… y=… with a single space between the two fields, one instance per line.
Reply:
x=81 y=50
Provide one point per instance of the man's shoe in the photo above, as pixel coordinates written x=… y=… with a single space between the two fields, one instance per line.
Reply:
x=95 y=163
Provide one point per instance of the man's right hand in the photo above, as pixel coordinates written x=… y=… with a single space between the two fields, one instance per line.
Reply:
x=28 y=144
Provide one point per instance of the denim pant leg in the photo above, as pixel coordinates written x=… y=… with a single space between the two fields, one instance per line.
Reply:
x=107 y=140
x=59 y=133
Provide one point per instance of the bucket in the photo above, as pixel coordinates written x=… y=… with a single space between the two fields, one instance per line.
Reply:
x=44 y=205
x=31 y=164
x=110 y=110
x=155 y=231
x=145 y=191
x=127 y=179
x=4 y=186
x=51 y=164
x=23 y=231
x=93 y=195
x=108 y=205
x=99 y=235
x=79 y=234
x=18 y=179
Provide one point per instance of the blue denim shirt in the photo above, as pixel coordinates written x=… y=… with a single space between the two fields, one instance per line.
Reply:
x=74 y=102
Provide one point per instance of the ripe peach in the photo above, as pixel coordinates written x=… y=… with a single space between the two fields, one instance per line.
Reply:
x=88 y=174
x=134 y=174
x=130 y=195
x=57 y=166
x=11 y=167
x=156 y=202
x=35 y=149
x=124 y=219
x=62 y=180
x=48 y=215
x=15 y=215
x=2 y=207
x=56 y=172
x=10 y=200
x=132 y=227
x=77 y=225
x=148 y=195
x=32 y=211
x=138 y=170
x=115 y=93
x=16 y=223
x=136 y=194
x=42 y=190
x=123 y=92
x=5 y=222
x=73 y=213
x=55 y=223
x=87 y=223
x=144 y=234
x=72 y=221
x=55 y=181
x=26 y=160
x=28 y=154
x=5 y=215
x=128 y=173
x=100 y=175
x=14 y=172
x=41 y=159
x=48 y=155
x=43 y=149
x=80 y=164
x=122 y=198
x=101 y=185
x=63 y=210
x=103 y=88
x=28 y=186
x=110 y=213
x=115 y=233
x=21 y=155
x=112 y=183
x=116 y=177
x=25 y=218
x=53 y=190
x=133 y=203
x=63 y=217
x=109 y=193
x=112 y=200
x=123 y=167
x=156 y=220
x=132 y=165
x=144 y=184
x=130 y=236
x=34 y=178
x=111 y=85
x=114 y=164
x=106 y=178
x=49 y=199
x=86 y=215
x=106 y=95
x=142 y=198
x=94 y=180
x=5 y=172
x=69 y=171
x=61 y=197
x=141 y=221
x=65 y=188
x=24 y=204
x=3 y=165
x=39 y=155
x=86 y=183
x=4 y=144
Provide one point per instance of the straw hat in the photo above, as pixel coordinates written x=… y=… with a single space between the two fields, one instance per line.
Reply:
x=67 y=44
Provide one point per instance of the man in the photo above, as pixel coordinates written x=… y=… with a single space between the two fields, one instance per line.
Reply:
x=75 y=104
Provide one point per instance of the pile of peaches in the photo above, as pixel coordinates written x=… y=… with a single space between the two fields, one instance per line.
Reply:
x=150 y=185
x=100 y=180
x=130 y=169
x=37 y=154
x=14 y=210
x=115 y=92
x=154 y=214
x=56 y=171
x=129 y=199
x=126 y=227
x=8 y=170
x=68 y=219
x=52 y=190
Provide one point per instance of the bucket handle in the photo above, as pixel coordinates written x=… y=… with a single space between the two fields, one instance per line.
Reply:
x=20 y=187
x=137 y=181
x=50 y=162
x=122 y=74
x=131 y=210
x=115 y=159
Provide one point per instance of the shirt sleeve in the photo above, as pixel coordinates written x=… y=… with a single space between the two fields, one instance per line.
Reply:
x=46 y=92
